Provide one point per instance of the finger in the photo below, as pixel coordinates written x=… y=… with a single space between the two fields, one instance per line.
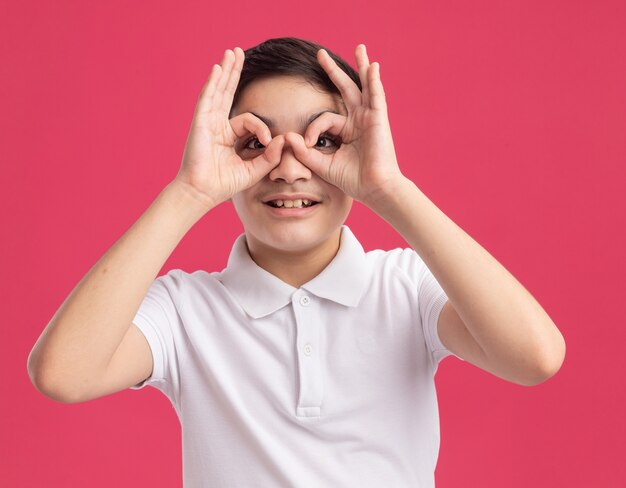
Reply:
x=227 y=63
x=363 y=63
x=246 y=123
x=264 y=163
x=349 y=90
x=233 y=80
x=378 y=100
x=311 y=158
x=205 y=99
x=327 y=122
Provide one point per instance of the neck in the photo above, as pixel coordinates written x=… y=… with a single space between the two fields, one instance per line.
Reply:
x=295 y=267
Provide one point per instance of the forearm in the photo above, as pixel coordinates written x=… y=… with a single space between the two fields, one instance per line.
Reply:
x=86 y=330
x=505 y=320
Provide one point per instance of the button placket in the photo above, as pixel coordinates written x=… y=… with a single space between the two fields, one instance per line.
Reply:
x=309 y=361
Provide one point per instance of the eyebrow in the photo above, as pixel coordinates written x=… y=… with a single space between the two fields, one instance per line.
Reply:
x=305 y=123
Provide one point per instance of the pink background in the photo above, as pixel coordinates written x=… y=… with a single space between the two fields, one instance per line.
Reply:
x=510 y=116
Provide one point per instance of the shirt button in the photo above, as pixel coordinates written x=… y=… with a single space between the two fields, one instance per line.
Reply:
x=308 y=349
x=305 y=300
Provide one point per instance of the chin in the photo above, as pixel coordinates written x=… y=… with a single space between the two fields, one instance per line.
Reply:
x=292 y=238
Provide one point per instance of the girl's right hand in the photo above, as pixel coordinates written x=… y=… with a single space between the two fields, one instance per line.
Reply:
x=211 y=167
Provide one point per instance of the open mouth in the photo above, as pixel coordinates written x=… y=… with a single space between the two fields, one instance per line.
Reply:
x=291 y=203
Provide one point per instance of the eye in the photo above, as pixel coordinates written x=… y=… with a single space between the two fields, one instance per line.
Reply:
x=327 y=141
x=254 y=142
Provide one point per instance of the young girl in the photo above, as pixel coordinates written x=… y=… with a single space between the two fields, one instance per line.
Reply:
x=306 y=361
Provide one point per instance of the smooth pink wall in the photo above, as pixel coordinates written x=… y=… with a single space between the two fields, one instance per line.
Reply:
x=510 y=116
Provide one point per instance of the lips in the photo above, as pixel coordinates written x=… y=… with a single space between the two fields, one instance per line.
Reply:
x=292 y=200
x=291 y=203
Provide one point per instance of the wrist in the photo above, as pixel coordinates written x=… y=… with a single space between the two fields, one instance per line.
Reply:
x=187 y=199
x=387 y=193
x=403 y=203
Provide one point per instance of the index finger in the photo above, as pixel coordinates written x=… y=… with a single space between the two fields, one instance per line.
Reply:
x=347 y=87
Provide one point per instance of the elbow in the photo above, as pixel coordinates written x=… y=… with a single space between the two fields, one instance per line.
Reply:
x=48 y=389
x=550 y=361
x=45 y=384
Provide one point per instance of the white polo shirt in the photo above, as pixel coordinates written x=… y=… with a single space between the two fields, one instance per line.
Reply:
x=326 y=385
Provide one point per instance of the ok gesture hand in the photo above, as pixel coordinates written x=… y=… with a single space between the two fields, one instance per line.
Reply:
x=365 y=165
x=211 y=166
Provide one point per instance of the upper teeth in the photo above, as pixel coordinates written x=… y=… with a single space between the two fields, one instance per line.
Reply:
x=292 y=203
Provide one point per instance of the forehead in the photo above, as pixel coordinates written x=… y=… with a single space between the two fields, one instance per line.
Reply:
x=282 y=96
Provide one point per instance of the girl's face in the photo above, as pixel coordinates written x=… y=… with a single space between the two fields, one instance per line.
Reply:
x=287 y=104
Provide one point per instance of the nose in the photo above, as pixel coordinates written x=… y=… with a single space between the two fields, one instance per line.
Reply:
x=290 y=168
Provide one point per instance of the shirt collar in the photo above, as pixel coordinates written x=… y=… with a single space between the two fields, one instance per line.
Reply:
x=261 y=293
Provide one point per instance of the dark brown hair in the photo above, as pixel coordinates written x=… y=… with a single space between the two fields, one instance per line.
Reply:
x=290 y=56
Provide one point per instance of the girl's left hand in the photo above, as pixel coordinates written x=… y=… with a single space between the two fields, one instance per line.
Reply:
x=365 y=165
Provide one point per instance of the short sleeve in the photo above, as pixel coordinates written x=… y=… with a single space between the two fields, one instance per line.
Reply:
x=158 y=319
x=430 y=299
